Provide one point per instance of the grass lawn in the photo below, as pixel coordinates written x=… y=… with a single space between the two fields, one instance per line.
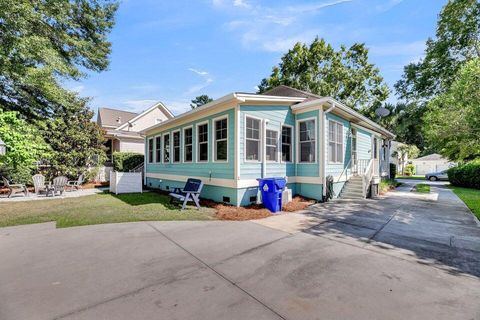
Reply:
x=422 y=188
x=471 y=197
x=410 y=177
x=99 y=208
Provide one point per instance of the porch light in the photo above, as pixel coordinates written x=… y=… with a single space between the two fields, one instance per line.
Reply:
x=3 y=148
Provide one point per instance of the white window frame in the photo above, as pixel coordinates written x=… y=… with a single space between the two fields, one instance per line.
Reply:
x=151 y=142
x=291 y=143
x=214 y=138
x=155 y=149
x=298 y=158
x=260 y=136
x=266 y=145
x=197 y=158
x=184 y=145
x=336 y=143
x=172 y=143
x=169 y=147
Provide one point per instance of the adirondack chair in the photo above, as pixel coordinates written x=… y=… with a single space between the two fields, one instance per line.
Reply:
x=15 y=188
x=58 y=186
x=191 y=192
x=39 y=183
x=76 y=184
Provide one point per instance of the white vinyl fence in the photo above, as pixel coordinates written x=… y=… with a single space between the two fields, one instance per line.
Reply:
x=125 y=182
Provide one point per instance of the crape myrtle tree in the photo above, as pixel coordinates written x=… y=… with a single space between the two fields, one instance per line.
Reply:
x=42 y=44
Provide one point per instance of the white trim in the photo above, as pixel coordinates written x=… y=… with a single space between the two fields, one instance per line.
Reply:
x=260 y=136
x=297 y=158
x=343 y=142
x=183 y=143
x=237 y=142
x=214 y=138
x=159 y=105
x=237 y=97
x=266 y=145
x=169 y=147
x=198 y=141
x=179 y=146
x=292 y=130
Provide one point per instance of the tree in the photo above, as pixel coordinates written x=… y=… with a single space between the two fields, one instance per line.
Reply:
x=457 y=42
x=45 y=41
x=403 y=153
x=346 y=74
x=200 y=101
x=25 y=146
x=452 y=119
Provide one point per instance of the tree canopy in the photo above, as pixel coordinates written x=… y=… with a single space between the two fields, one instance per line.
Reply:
x=345 y=74
x=452 y=119
x=200 y=101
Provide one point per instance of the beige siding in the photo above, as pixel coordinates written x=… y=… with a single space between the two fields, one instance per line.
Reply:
x=132 y=145
x=147 y=120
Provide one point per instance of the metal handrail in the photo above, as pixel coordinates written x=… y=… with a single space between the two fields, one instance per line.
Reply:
x=345 y=170
x=367 y=177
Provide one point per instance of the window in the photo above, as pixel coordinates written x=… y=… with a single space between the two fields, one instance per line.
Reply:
x=202 y=131
x=166 y=148
x=188 y=145
x=286 y=144
x=252 y=139
x=221 y=139
x=158 y=146
x=335 y=142
x=307 y=136
x=271 y=141
x=150 y=150
x=176 y=146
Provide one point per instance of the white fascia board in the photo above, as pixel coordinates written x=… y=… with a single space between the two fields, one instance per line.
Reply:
x=141 y=115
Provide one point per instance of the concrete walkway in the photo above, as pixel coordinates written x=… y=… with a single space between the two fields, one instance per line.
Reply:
x=342 y=264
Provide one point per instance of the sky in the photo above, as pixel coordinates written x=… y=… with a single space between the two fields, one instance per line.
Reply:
x=173 y=51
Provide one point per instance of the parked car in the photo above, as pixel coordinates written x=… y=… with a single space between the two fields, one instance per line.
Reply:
x=434 y=176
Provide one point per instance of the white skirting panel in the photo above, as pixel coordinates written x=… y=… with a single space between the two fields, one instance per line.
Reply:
x=125 y=182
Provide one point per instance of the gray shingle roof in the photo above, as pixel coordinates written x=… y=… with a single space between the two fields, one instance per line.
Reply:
x=113 y=117
x=286 y=91
x=431 y=157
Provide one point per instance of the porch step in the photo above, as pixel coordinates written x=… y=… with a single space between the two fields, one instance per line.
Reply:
x=353 y=188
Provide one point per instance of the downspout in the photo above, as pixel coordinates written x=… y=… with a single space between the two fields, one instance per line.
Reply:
x=325 y=129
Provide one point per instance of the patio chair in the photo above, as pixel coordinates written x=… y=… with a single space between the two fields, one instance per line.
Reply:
x=191 y=192
x=15 y=187
x=76 y=184
x=58 y=186
x=39 y=183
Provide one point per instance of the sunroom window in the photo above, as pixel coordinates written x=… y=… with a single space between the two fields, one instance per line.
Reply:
x=221 y=139
x=158 y=149
x=307 y=140
x=202 y=142
x=166 y=148
x=271 y=140
x=176 y=146
x=286 y=144
x=188 y=146
x=252 y=139
x=335 y=142
x=150 y=150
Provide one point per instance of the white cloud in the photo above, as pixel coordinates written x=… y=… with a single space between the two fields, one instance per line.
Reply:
x=138 y=105
x=197 y=87
x=200 y=73
x=178 y=106
x=241 y=3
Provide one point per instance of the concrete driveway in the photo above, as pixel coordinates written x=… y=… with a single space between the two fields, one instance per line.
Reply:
x=403 y=257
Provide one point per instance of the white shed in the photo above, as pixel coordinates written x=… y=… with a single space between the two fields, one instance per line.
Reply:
x=431 y=163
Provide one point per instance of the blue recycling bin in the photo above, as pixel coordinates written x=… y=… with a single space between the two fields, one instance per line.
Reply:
x=271 y=189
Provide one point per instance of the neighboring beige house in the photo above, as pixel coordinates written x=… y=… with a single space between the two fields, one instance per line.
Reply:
x=122 y=130
x=431 y=163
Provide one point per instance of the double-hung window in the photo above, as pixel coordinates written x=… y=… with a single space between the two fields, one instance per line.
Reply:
x=188 y=144
x=252 y=139
x=271 y=142
x=158 y=149
x=221 y=139
x=335 y=142
x=166 y=148
x=307 y=141
x=176 y=146
x=202 y=142
x=286 y=144
x=150 y=150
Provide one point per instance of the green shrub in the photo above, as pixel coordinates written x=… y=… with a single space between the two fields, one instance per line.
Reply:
x=466 y=175
x=126 y=161
x=20 y=175
x=387 y=185
x=409 y=170
x=393 y=170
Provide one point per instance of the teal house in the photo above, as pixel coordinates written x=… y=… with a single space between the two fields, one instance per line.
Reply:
x=231 y=142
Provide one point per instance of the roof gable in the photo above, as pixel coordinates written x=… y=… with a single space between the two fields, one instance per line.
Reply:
x=108 y=117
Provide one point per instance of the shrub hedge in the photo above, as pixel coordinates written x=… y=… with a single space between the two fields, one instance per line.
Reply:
x=410 y=170
x=466 y=175
x=126 y=161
